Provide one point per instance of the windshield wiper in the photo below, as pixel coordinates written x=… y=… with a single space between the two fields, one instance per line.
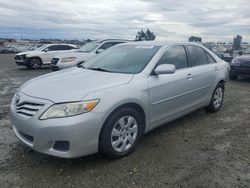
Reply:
x=99 y=69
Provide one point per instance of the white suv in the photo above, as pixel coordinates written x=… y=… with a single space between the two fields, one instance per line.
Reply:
x=42 y=55
x=71 y=59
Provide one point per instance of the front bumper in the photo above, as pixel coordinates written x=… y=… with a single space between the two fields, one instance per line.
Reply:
x=21 y=60
x=81 y=132
x=239 y=70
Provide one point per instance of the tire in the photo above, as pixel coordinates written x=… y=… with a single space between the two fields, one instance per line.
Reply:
x=233 y=77
x=34 y=63
x=117 y=139
x=217 y=99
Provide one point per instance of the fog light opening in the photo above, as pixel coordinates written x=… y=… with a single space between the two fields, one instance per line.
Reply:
x=61 y=146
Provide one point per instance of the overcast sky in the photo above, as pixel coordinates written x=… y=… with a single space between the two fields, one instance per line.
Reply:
x=213 y=20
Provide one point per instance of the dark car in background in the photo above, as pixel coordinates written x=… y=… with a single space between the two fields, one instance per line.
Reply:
x=240 y=66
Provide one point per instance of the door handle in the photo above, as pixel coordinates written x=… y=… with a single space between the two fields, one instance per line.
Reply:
x=189 y=76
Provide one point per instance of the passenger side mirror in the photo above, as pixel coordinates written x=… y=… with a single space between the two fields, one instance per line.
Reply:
x=165 y=69
x=99 y=51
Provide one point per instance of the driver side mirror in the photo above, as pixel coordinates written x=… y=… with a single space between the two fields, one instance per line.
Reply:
x=46 y=50
x=240 y=53
x=165 y=69
x=99 y=51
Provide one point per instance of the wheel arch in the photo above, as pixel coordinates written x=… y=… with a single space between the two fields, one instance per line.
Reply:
x=133 y=105
x=35 y=57
x=223 y=82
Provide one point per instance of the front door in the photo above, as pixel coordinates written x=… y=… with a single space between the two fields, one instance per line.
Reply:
x=171 y=94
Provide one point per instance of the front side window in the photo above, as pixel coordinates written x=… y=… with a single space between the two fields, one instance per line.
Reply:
x=130 y=59
x=54 y=48
x=89 y=47
x=197 y=55
x=176 y=56
x=106 y=45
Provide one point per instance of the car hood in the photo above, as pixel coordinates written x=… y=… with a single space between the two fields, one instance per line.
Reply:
x=72 y=84
x=25 y=53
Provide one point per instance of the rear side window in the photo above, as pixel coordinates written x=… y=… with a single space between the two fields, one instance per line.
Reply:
x=66 y=47
x=197 y=55
x=210 y=59
x=176 y=56
x=54 y=48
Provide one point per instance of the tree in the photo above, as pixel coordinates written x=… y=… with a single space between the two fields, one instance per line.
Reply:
x=148 y=35
x=237 y=42
x=194 y=39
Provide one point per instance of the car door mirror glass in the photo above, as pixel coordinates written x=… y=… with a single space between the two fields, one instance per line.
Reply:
x=165 y=69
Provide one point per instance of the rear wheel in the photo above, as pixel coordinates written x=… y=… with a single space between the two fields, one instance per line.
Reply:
x=217 y=99
x=233 y=77
x=34 y=63
x=121 y=133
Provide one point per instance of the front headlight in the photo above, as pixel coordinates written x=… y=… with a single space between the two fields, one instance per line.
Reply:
x=69 y=109
x=68 y=59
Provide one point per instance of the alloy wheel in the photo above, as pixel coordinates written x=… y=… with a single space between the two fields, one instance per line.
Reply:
x=218 y=97
x=124 y=134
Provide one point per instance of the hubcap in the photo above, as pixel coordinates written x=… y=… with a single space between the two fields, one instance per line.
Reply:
x=124 y=134
x=218 y=96
x=35 y=63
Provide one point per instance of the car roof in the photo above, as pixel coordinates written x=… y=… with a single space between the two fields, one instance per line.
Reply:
x=120 y=40
x=60 y=44
x=161 y=43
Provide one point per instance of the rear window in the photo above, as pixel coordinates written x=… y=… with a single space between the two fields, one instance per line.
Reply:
x=197 y=55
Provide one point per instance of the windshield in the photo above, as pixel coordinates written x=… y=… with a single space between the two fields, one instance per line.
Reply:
x=89 y=47
x=40 y=47
x=130 y=59
x=247 y=51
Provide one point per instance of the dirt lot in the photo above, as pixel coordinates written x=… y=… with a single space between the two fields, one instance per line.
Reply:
x=198 y=150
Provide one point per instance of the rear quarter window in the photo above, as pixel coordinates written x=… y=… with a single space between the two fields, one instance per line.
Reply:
x=210 y=59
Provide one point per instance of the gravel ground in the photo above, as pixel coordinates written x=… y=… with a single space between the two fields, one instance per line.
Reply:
x=198 y=150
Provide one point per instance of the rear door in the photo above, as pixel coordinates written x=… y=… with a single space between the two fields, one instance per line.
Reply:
x=171 y=94
x=205 y=70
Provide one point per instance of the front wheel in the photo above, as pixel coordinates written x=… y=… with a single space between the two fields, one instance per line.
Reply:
x=121 y=133
x=217 y=99
x=34 y=63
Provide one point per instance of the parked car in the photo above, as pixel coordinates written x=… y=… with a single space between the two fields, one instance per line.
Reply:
x=42 y=55
x=109 y=102
x=240 y=66
x=71 y=59
x=223 y=55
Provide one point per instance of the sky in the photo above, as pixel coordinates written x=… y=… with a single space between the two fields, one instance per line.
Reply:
x=170 y=20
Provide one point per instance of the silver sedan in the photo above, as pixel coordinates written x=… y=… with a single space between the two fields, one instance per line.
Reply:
x=109 y=102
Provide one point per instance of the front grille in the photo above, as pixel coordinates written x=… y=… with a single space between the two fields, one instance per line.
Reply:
x=246 y=63
x=54 y=61
x=27 y=109
x=20 y=57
